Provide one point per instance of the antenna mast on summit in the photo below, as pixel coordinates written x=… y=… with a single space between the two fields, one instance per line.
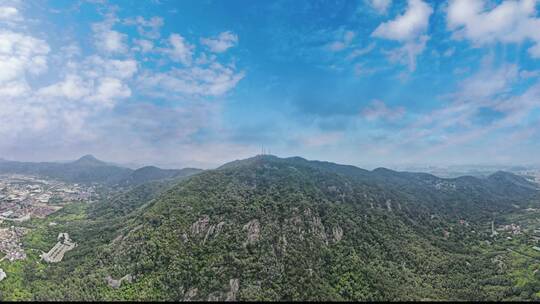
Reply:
x=265 y=151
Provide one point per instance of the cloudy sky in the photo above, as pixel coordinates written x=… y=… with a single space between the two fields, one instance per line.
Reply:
x=198 y=83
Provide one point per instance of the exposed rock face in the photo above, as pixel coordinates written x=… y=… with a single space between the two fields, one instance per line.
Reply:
x=128 y=278
x=234 y=287
x=133 y=231
x=318 y=229
x=389 y=205
x=202 y=227
x=209 y=232
x=253 y=228
x=282 y=244
x=337 y=232
x=295 y=221
x=117 y=239
x=311 y=221
x=190 y=294
x=213 y=297
x=2 y=274
x=112 y=282
x=446 y=234
x=117 y=283
x=199 y=227
x=213 y=230
x=219 y=227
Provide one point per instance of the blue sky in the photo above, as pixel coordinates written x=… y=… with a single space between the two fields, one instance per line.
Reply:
x=198 y=83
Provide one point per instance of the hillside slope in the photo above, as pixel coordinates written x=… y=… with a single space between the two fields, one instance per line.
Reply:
x=289 y=229
x=151 y=173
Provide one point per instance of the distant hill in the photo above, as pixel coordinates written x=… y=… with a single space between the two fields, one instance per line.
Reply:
x=89 y=169
x=150 y=173
x=269 y=228
x=89 y=161
x=84 y=170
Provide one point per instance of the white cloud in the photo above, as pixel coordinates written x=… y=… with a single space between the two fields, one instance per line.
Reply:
x=8 y=13
x=455 y=124
x=214 y=80
x=119 y=68
x=379 y=110
x=111 y=41
x=14 y=89
x=507 y=22
x=108 y=40
x=164 y=124
x=381 y=6
x=343 y=42
x=221 y=43
x=72 y=87
x=148 y=28
x=143 y=45
x=71 y=50
x=180 y=51
x=109 y=90
x=484 y=89
x=361 y=70
x=67 y=106
x=534 y=51
x=407 y=53
x=96 y=81
x=408 y=28
x=487 y=84
x=64 y=96
x=515 y=111
x=21 y=54
x=322 y=139
x=361 y=51
x=529 y=74
x=449 y=52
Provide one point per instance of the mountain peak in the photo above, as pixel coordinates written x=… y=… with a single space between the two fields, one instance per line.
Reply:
x=89 y=160
x=257 y=159
x=383 y=170
x=148 y=168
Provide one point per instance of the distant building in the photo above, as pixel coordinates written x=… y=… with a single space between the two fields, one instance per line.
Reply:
x=56 y=254
x=493 y=232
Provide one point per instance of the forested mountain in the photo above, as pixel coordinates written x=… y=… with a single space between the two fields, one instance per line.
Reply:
x=89 y=169
x=462 y=196
x=150 y=173
x=84 y=170
x=268 y=228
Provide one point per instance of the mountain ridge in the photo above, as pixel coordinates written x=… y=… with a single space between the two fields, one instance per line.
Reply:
x=89 y=169
x=290 y=229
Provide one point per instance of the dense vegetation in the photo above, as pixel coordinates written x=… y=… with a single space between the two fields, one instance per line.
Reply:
x=151 y=173
x=287 y=229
